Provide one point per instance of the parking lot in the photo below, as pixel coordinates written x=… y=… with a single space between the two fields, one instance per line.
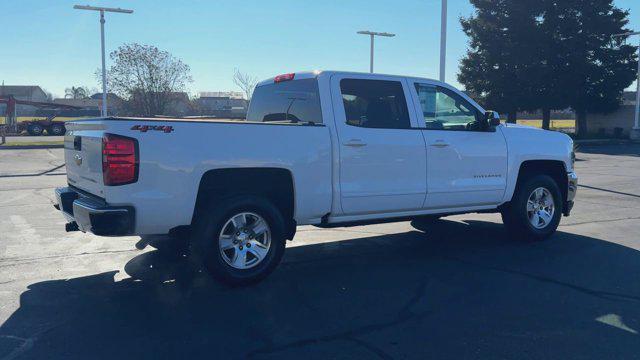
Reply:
x=460 y=289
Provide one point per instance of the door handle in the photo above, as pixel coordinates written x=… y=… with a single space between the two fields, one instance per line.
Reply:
x=355 y=143
x=439 y=144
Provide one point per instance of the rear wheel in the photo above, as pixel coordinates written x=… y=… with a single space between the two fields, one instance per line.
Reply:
x=239 y=240
x=56 y=130
x=35 y=129
x=535 y=209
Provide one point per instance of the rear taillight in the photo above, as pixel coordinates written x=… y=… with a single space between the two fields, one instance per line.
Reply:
x=120 y=160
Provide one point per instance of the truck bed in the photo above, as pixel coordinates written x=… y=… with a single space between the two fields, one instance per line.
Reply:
x=173 y=162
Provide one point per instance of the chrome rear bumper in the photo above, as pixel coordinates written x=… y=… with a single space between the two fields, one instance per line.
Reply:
x=92 y=214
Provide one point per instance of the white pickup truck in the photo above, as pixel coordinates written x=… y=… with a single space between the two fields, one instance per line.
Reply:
x=321 y=148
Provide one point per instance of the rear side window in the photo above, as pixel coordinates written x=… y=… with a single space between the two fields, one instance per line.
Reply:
x=288 y=101
x=375 y=103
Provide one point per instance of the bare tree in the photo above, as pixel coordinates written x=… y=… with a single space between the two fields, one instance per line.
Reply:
x=79 y=92
x=48 y=95
x=245 y=82
x=149 y=79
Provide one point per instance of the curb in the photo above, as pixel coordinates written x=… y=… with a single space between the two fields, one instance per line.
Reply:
x=28 y=147
x=605 y=142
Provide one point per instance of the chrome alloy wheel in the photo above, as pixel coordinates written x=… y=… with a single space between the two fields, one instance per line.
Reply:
x=244 y=240
x=540 y=208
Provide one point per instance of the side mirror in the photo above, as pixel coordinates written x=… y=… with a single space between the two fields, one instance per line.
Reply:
x=492 y=117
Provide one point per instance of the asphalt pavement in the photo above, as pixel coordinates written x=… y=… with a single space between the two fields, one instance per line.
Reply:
x=461 y=288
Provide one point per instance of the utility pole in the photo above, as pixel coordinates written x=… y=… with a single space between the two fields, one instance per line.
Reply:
x=102 y=10
x=372 y=34
x=635 y=131
x=443 y=38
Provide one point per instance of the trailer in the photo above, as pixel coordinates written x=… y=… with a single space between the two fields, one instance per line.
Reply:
x=34 y=127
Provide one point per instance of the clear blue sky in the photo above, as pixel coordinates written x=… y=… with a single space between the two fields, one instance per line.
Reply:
x=48 y=43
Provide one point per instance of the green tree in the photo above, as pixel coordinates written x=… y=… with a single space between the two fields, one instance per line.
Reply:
x=551 y=92
x=585 y=66
x=501 y=65
x=547 y=54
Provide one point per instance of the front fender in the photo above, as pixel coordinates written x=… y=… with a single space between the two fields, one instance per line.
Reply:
x=527 y=143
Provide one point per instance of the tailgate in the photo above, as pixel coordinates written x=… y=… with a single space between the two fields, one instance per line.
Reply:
x=83 y=156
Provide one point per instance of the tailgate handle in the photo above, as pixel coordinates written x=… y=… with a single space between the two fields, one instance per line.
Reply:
x=77 y=143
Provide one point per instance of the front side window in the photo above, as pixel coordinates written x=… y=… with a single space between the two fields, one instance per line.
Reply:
x=375 y=104
x=445 y=110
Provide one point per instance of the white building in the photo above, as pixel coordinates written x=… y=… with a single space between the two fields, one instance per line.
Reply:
x=617 y=123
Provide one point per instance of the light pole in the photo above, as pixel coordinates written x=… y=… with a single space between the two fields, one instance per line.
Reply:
x=635 y=132
x=443 y=38
x=372 y=34
x=102 y=10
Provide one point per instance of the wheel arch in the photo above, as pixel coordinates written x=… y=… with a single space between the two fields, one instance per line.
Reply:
x=274 y=184
x=556 y=169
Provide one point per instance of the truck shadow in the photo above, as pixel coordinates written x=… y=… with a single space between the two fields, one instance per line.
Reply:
x=459 y=290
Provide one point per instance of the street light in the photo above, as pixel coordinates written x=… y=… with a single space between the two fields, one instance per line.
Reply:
x=635 y=132
x=102 y=10
x=372 y=34
x=443 y=38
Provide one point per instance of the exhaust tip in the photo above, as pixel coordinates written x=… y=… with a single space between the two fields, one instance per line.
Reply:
x=72 y=226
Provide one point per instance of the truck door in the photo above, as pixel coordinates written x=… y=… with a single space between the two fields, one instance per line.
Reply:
x=382 y=158
x=466 y=164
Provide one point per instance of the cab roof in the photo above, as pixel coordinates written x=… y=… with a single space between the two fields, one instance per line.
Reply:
x=316 y=73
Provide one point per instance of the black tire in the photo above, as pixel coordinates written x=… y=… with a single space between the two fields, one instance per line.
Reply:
x=35 y=129
x=516 y=218
x=209 y=225
x=56 y=130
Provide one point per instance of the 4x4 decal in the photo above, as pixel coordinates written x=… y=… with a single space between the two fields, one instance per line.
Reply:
x=145 y=128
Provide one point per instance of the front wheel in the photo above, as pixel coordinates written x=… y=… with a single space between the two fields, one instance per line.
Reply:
x=535 y=209
x=240 y=240
x=35 y=129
